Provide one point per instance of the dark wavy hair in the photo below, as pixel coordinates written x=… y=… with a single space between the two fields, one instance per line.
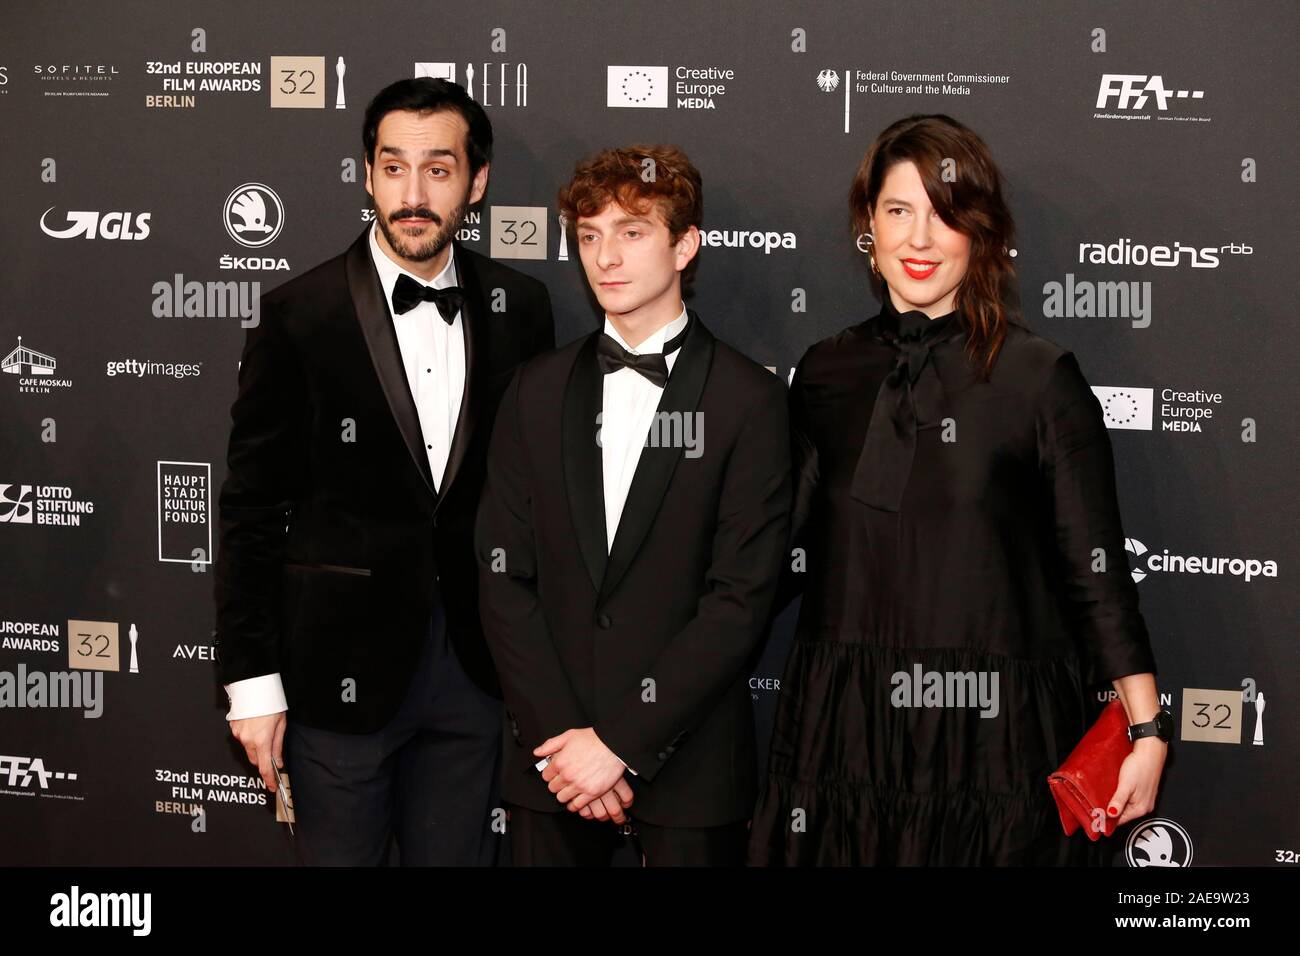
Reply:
x=971 y=202
x=426 y=94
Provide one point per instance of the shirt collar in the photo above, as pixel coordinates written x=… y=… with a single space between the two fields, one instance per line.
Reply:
x=915 y=324
x=389 y=270
x=655 y=342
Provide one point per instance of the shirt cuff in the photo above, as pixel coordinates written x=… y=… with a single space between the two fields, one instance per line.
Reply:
x=256 y=697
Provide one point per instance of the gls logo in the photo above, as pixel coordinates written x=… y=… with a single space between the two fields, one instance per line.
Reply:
x=92 y=225
x=1132 y=96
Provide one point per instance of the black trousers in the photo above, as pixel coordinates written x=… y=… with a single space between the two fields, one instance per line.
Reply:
x=430 y=780
x=566 y=839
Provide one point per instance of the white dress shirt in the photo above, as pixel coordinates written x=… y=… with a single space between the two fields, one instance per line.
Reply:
x=628 y=405
x=433 y=355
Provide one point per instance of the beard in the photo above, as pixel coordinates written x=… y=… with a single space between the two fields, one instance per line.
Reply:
x=418 y=249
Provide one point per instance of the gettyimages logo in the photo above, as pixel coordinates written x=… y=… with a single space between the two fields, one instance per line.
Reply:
x=135 y=368
x=253 y=215
x=636 y=86
x=94 y=225
x=1158 y=842
x=184 y=510
x=1147 y=562
x=1126 y=408
x=34 y=370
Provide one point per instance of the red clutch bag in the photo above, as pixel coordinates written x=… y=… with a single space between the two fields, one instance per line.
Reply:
x=1090 y=775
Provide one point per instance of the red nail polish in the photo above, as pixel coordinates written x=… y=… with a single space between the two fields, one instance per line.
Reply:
x=1113 y=811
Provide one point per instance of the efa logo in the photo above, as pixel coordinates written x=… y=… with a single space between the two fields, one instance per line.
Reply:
x=94 y=225
x=1132 y=90
x=19 y=771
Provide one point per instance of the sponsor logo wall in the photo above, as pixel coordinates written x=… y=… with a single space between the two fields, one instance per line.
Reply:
x=162 y=173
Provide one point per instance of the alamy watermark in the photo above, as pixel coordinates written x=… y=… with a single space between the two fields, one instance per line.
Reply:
x=79 y=690
x=920 y=688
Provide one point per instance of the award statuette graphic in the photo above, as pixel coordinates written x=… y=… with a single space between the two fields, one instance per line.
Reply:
x=340 y=103
x=1258 y=740
x=564 y=240
x=469 y=80
x=133 y=635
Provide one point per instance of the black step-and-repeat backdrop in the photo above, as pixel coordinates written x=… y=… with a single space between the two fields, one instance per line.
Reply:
x=1150 y=155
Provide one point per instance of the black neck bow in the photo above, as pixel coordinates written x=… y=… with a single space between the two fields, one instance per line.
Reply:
x=408 y=293
x=910 y=398
x=653 y=365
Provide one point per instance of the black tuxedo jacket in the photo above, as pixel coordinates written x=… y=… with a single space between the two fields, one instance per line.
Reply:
x=651 y=642
x=334 y=544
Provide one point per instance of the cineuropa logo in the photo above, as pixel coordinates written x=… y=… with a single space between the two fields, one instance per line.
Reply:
x=1146 y=561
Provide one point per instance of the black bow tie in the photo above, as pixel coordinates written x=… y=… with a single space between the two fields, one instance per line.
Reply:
x=408 y=293
x=653 y=365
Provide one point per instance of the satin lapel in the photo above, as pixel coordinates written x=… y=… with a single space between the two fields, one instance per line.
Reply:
x=473 y=319
x=376 y=323
x=656 y=465
x=583 y=472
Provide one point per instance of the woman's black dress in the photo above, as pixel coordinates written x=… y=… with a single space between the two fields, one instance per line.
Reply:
x=973 y=531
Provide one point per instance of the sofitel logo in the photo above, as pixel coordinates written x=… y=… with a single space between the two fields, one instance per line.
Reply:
x=75 y=71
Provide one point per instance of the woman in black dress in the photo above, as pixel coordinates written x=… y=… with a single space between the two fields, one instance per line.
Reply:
x=965 y=580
